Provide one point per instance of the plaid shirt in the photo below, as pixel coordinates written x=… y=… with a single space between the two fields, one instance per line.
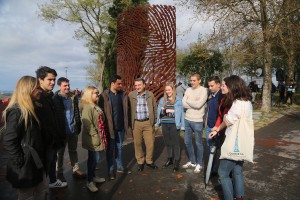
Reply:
x=141 y=107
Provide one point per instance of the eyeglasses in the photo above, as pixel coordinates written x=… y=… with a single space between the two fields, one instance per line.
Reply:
x=96 y=93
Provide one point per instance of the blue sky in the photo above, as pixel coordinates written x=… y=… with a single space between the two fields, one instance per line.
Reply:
x=26 y=43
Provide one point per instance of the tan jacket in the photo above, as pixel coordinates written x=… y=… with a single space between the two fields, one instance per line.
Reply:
x=151 y=103
x=90 y=136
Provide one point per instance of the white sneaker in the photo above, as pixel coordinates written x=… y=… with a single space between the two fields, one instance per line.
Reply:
x=197 y=169
x=188 y=165
x=58 y=184
x=98 y=179
x=92 y=187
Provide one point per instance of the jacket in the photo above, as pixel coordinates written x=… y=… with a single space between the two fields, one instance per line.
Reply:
x=151 y=103
x=211 y=112
x=179 y=113
x=105 y=105
x=22 y=169
x=60 y=112
x=90 y=135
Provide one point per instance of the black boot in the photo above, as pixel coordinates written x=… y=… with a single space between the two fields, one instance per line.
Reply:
x=168 y=163
x=176 y=166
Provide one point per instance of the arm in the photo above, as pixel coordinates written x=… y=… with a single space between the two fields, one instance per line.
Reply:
x=185 y=98
x=154 y=108
x=199 y=102
x=159 y=108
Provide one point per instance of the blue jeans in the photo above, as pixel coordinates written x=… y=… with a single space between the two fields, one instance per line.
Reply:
x=195 y=127
x=235 y=189
x=93 y=159
x=114 y=151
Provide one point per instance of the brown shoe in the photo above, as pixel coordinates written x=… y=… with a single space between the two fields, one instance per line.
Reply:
x=79 y=174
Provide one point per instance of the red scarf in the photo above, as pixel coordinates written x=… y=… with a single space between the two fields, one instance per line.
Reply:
x=102 y=133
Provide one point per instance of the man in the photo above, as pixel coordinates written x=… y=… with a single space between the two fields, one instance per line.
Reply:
x=55 y=137
x=143 y=111
x=114 y=103
x=179 y=90
x=254 y=89
x=213 y=101
x=194 y=101
x=68 y=116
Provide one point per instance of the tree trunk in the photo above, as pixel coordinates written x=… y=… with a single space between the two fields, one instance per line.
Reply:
x=100 y=64
x=291 y=65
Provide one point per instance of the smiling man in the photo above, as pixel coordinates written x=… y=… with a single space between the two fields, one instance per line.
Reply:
x=68 y=117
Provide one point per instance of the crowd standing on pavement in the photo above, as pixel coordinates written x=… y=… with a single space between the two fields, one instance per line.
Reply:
x=42 y=124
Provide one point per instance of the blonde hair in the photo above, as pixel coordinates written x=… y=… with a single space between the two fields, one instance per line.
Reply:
x=22 y=97
x=170 y=84
x=87 y=96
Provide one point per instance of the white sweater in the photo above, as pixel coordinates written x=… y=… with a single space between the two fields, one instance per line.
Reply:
x=194 y=101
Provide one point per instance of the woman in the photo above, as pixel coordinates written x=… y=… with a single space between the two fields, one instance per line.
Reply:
x=290 y=91
x=24 y=142
x=170 y=115
x=238 y=98
x=91 y=114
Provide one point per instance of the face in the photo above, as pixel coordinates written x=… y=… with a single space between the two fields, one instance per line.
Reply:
x=213 y=86
x=169 y=91
x=36 y=94
x=139 y=86
x=224 y=88
x=195 y=82
x=117 y=85
x=48 y=83
x=95 y=95
x=64 y=88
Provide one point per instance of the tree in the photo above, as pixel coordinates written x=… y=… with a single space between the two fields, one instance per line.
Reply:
x=93 y=20
x=264 y=16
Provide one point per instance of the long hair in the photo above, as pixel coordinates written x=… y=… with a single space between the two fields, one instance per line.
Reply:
x=237 y=90
x=87 y=96
x=170 y=84
x=22 y=97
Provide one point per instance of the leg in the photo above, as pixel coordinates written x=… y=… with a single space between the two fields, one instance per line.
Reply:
x=166 y=131
x=110 y=155
x=119 y=144
x=137 y=139
x=149 y=138
x=238 y=179
x=198 y=127
x=91 y=162
x=60 y=159
x=226 y=166
x=52 y=165
x=188 y=136
x=175 y=138
x=72 y=147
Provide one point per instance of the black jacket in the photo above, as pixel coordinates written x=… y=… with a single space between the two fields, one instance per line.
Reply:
x=22 y=170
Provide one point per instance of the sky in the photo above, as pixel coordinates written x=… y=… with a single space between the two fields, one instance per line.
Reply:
x=27 y=42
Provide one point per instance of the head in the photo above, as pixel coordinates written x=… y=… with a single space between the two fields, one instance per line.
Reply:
x=170 y=92
x=115 y=83
x=235 y=89
x=46 y=77
x=63 y=86
x=90 y=95
x=139 y=85
x=195 y=80
x=214 y=84
x=26 y=92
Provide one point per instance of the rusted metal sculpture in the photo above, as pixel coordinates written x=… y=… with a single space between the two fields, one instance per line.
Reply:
x=146 y=46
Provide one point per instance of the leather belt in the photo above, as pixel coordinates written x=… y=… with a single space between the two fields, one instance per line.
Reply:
x=142 y=120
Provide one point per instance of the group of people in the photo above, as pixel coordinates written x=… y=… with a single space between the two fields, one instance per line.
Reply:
x=39 y=124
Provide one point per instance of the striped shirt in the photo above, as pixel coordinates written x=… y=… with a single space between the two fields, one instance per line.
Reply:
x=141 y=107
x=168 y=118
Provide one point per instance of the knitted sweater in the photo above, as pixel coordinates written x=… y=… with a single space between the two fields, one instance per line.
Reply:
x=194 y=101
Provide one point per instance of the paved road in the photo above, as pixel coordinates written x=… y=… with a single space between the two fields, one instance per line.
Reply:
x=274 y=174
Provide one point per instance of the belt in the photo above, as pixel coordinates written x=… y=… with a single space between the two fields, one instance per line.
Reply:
x=142 y=120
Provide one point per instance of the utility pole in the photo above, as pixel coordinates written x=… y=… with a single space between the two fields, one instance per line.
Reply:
x=66 y=72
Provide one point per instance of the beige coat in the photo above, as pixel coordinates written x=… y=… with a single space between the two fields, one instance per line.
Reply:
x=90 y=136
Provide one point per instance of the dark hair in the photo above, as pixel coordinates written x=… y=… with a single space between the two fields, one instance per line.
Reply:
x=114 y=78
x=62 y=79
x=214 y=78
x=42 y=72
x=139 y=79
x=237 y=89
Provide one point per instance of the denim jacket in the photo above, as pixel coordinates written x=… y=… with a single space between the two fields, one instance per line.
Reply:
x=179 y=113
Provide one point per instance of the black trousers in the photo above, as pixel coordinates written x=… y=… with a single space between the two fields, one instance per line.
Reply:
x=171 y=139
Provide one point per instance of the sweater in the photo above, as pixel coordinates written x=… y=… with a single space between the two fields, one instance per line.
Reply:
x=194 y=101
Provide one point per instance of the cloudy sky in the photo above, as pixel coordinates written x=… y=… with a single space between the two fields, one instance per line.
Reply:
x=26 y=43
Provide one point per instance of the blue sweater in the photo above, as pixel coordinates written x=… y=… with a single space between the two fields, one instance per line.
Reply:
x=212 y=108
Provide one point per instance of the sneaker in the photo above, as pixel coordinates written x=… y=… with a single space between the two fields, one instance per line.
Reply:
x=92 y=187
x=123 y=170
x=58 y=184
x=188 y=165
x=98 y=179
x=197 y=169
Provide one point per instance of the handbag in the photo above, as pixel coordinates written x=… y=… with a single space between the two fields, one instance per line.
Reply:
x=239 y=143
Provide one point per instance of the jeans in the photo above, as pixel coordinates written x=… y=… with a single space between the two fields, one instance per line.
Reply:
x=171 y=139
x=235 y=189
x=93 y=159
x=51 y=164
x=208 y=141
x=114 y=151
x=195 y=127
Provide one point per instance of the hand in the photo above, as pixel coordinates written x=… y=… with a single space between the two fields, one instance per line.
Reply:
x=214 y=129
x=169 y=111
x=212 y=134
